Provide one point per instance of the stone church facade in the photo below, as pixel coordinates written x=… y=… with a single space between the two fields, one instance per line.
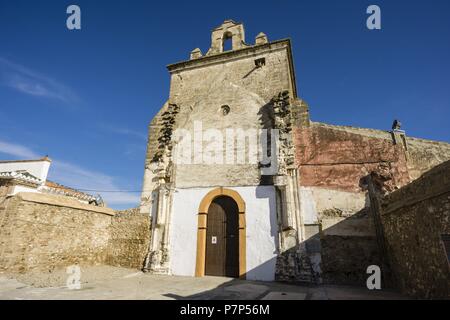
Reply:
x=240 y=182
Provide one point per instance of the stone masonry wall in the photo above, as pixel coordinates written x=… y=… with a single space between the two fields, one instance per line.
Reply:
x=201 y=90
x=424 y=155
x=333 y=163
x=44 y=232
x=129 y=239
x=414 y=218
x=348 y=248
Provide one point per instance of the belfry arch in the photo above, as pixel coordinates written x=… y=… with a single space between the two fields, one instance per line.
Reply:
x=228 y=30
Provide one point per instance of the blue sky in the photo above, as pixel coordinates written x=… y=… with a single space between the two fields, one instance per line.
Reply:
x=85 y=97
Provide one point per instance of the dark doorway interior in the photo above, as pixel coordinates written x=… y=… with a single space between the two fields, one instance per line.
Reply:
x=222 y=238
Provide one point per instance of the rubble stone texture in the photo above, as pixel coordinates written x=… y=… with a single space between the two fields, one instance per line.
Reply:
x=414 y=219
x=45 y=232
x=334 y=162
x=129 y=239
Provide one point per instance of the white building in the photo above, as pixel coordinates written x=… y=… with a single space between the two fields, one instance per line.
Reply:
x=31 y=176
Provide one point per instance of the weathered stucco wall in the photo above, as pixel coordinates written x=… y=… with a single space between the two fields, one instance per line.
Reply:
x=44 y=232
x=199 y=90
x=414 y=218
x=336 y=158
x=323 y=204
x=190 y=83
x=334 y=162
x=129 y=239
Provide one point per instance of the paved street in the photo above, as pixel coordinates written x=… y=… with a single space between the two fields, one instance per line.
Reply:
x=138 y=285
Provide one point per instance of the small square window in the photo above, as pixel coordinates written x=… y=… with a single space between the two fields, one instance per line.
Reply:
x=260 y=62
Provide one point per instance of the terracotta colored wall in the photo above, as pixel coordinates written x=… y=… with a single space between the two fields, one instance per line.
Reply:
x=337 y=159
x=333 y=162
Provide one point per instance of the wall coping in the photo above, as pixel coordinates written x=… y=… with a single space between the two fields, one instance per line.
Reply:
x=61 y=201
x=433 y=183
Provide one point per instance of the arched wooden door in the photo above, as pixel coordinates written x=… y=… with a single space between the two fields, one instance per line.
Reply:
x=222 y=238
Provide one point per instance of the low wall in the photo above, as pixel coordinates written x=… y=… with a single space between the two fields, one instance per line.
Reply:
x=424 y=155
x=414 y=219
x=44 y=232
x=129 y=239
x=348 y=247
x=334 y=162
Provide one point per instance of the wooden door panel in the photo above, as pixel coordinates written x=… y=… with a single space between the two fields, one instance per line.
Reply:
x=215 y=252
x=232 y=239
x=222 y=238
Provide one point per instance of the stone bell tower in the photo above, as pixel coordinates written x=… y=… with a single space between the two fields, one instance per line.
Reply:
x=228 y=30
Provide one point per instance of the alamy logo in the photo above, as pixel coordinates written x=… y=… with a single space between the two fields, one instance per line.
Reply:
x=73 y=21
x=231 y=146
x=374 y=20
x=374 y=281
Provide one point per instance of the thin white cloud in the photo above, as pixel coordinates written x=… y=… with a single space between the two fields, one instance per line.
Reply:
x=33 y=83
x=80 y=178
x=18 y=151
x=122 y=131
x=75 y=176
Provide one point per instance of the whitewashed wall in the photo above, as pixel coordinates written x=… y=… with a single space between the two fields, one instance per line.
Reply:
x=17 y=189
x=38 y=168
x=262 y=233
x=315 y=200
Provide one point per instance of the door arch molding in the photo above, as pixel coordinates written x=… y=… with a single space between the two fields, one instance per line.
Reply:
x=202 y=224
